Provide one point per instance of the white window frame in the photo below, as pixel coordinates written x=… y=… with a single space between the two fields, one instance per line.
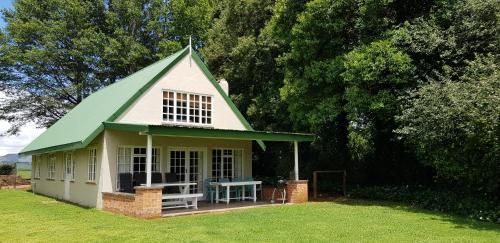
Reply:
x=203 y=168
x=92 y=165
x=218 y=173
x=65 y=162
x=36 y=166
x=131 y=160
x=51 y=167
x=200 y=110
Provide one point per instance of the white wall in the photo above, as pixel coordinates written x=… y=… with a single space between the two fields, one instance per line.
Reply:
x=89 y=194
x=81 y=191
x=182 y=77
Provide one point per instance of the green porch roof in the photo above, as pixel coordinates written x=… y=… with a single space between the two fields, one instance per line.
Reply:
x=84 y=122
x=199 y=132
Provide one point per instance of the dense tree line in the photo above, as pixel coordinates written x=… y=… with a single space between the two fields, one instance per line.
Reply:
x=398 y=91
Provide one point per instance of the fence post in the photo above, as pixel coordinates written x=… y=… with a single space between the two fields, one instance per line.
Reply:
x=315 y=182
x=15 y=174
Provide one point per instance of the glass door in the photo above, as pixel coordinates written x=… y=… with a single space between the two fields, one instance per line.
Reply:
x=187 y=164
x=178 y=164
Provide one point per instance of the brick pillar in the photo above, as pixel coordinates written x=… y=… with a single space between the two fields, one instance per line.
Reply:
x=148 y=202
x=296 y=191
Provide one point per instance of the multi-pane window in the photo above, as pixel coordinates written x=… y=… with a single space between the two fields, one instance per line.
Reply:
x=226 y=163
x=181 y=107
x=178 y=164
x=131 y=160
x=139 y=160
x=51 y=167
x=69 y=167
x=195 y=175
x=188 y=108
x=36 y=166
x=194 y=108
x=92 y=164
x=206 y=109
x=168 y=106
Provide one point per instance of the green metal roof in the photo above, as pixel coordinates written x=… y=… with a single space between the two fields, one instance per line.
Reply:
x=84 y=122
x=199 y=132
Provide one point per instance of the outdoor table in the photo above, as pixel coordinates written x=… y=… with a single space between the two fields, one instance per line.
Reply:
x=228 y=186
x=184 y=185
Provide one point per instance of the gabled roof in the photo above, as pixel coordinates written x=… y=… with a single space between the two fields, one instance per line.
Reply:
x=85 y=121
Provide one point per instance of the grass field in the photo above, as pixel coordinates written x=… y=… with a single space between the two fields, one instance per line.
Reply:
x=26 y=217
x=25 y=174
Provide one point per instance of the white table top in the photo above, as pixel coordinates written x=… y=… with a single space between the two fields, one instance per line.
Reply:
x=236 y=183
x=173 y=184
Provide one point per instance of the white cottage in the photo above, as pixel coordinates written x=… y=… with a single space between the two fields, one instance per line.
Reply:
x=123 y=146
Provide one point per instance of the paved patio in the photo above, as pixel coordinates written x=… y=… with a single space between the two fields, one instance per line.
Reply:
x=207 y=207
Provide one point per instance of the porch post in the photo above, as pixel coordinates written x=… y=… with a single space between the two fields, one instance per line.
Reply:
x=296 y=155
x=149 y=159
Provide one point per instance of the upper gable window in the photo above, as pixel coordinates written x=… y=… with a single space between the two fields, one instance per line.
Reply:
x=180 y=107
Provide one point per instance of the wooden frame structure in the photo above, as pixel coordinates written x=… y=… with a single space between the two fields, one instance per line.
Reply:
x=315 y=180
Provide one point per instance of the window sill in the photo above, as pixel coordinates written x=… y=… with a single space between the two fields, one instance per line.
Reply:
x=72 y=181
x=50 y=179
x=91 y=182
x=36 y=178
x=186 y=124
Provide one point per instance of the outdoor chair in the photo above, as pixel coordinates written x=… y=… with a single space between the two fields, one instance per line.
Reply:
x=139 y=178
x=171 y=178
x=126 y=182
x=223 y=189
x=210 y=190
x=156 y=177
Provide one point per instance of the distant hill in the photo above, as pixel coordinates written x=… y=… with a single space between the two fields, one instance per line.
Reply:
x=14 y=158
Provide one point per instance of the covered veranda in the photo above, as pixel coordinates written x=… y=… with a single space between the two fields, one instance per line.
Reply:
x=245 y=188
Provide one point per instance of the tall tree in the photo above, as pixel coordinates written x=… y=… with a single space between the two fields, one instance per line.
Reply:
x=57 y=52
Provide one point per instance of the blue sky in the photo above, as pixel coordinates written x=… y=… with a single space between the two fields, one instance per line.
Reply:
x=5 y=4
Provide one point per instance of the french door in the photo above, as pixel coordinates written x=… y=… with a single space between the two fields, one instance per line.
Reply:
x=187 y=164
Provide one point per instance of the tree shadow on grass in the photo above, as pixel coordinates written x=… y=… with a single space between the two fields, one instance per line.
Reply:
x=457 y=220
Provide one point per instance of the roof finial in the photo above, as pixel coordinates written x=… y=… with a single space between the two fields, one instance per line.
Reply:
x=190 y=48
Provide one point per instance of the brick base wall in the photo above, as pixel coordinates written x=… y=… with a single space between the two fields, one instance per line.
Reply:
x=296 y=191
x=145 y=203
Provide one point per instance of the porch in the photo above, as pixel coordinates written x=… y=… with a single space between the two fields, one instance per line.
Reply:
x=179 y=166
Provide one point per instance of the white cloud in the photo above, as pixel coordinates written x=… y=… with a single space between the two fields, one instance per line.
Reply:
x=13 y=144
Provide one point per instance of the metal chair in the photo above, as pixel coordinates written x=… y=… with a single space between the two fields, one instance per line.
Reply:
x=210 y=190
x=223 y=190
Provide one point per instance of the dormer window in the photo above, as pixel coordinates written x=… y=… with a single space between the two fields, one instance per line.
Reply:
x=181 y=107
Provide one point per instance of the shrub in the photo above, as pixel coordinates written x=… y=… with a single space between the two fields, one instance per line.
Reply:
x=484 y=209
x=6 y=169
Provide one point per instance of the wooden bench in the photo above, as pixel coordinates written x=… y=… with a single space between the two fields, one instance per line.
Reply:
x=183 y=202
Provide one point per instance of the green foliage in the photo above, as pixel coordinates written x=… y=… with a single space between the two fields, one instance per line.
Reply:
x=57 y=52
x=484 y=209
x=455 y=126
x=374 y=75
x=6 y=169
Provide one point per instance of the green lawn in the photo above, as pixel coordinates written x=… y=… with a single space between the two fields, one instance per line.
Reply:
x=25 y=217
x=25 y=174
